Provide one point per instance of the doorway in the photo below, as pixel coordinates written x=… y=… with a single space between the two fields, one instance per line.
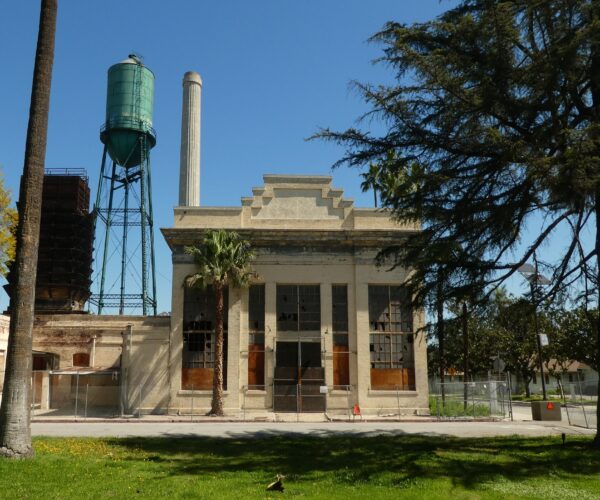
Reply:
x=298 y=377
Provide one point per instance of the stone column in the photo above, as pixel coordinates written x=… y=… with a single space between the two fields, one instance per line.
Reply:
x=327 y=331
x=189 y=163
x=270 y=338
x=234 y=386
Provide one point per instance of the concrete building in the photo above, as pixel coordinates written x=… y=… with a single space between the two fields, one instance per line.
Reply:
x=321 y=329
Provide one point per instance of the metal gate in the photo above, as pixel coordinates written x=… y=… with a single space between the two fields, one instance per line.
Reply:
x=298 y=377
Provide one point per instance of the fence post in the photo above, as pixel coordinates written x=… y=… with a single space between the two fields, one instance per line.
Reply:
x=490 y=395
x=32 y=403
x=581 y=401
x=76 y=394
x=86 y=399
x=121 y=394
x=298 y=393
x=510 y=409
x=192 y=406
x=564 y=398
x=348 y=402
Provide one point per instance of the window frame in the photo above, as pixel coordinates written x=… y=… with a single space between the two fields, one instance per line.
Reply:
x=256 y=336
x=199 y=324
x=391 y=338
x=299 y=315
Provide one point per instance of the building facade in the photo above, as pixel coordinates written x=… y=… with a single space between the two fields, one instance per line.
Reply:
x=321 y=329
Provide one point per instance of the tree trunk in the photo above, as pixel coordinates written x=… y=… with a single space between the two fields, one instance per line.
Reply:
x=217 y=396
x=440 y=329
x=595 y=88
x=15 y=413
x=526 y=381
x=597 y=245
x=465 y=329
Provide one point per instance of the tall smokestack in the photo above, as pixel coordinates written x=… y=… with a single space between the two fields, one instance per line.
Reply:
x=189 y=162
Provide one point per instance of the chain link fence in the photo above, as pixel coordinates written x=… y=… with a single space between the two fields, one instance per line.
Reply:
x=580 y=397
x=460 y=400
x=83 y=393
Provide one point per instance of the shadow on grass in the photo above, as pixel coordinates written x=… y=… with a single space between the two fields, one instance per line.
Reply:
x=396 y=460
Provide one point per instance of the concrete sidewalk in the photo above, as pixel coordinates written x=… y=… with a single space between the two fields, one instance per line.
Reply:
x=237 y=430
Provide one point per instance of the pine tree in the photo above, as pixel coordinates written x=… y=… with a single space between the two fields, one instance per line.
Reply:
x=494 y=119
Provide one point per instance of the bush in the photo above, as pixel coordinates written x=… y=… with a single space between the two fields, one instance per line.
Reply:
x=456 y=408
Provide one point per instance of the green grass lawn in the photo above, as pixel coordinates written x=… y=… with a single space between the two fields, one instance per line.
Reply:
x=333 y=467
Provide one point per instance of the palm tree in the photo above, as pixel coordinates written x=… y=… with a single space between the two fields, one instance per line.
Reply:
x=15 y=413
x=371 y=180
x=222 y=258
x=384 y=176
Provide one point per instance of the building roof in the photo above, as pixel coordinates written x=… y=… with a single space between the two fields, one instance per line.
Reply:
x=292 y=207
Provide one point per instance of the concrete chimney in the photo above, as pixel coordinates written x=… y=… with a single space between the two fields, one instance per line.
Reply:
x=189 y=160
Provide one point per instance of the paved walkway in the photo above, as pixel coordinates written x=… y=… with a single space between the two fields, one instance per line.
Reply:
x=255 y=429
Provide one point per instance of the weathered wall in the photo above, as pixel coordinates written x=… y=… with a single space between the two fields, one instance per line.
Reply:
x=136 y=346
x=326 y=268
x=304 y=232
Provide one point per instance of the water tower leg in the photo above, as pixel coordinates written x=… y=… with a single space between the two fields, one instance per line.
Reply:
x=124 y=248
x=99 y=191
x=151 y=226
x=143 y=223
x=108 y=222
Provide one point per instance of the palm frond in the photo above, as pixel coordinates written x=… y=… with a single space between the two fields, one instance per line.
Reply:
x=221 y=256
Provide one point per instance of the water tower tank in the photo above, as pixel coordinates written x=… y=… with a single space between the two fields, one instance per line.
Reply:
x=129 y=104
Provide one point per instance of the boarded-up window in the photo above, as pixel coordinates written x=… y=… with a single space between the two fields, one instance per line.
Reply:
x=198 y=357
x=341 y=353
x=256 y=340
x=40 y=362
x=391 y=340
x=81 y=359
x=298 y=308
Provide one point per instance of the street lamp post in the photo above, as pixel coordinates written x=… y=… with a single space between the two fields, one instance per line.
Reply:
x=531 y=274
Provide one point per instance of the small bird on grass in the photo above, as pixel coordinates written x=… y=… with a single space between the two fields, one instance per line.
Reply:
x=277 y=485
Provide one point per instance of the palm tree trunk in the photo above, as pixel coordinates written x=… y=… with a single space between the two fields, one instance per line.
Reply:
x=217 y=396
x=15 y=413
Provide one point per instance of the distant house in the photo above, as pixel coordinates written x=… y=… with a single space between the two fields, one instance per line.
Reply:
x=576 y=378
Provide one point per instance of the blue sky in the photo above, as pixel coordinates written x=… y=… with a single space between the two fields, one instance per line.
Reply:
x=273 y=71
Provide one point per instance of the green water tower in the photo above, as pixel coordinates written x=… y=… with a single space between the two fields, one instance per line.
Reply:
x=124 y=196
x=129 y=105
